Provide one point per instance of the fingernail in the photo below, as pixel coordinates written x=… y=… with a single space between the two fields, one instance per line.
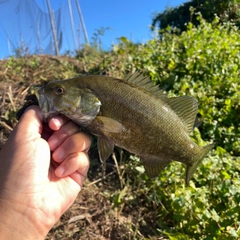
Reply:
x=59 y=155
x=57 y=123
x=60 y=171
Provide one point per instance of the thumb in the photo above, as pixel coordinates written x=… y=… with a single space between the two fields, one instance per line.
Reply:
x=25 y=155
x=31 y=146
x=30 y=126
x=30 y=123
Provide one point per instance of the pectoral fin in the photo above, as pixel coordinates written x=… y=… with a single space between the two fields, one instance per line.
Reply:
x=154 y=165
x=108 y=124
x=105 y=148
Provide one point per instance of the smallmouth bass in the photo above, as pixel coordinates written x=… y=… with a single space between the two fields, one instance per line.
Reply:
x=132 y=114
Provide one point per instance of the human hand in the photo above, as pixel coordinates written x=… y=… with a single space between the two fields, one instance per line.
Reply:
x=37 y=187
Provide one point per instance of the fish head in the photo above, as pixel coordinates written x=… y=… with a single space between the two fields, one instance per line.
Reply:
x=60 y=97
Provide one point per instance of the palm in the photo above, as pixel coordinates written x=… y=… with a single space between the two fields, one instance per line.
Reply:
x=27 y=173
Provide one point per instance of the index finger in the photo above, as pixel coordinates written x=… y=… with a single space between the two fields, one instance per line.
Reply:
x=59 y=136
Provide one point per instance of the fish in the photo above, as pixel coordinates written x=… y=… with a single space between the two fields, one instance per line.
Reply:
x=131 y=113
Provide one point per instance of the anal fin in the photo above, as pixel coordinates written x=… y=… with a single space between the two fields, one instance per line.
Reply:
x=153 y=165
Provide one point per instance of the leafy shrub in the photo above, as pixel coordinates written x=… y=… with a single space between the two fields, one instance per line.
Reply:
x=206 y=209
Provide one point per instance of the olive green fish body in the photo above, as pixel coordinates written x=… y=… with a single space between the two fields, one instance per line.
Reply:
x=134 y=115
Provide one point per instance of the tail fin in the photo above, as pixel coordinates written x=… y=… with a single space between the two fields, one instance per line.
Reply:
x=191 y=168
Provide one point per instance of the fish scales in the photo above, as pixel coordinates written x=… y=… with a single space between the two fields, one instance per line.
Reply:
x=131 y=114
x=142 y=112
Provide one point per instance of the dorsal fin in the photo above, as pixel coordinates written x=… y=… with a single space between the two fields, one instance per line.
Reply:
x=186 y=107
x=138 y=79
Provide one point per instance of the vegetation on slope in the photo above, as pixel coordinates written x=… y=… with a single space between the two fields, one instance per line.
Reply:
x=203 y=62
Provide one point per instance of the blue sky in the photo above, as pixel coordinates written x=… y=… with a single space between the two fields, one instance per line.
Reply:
x=129 y=18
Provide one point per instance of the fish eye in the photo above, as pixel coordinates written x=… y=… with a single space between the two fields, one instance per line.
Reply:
x=59 y=90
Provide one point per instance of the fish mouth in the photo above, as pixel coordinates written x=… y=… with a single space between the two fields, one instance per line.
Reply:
x=47 y=109
x=42 y=100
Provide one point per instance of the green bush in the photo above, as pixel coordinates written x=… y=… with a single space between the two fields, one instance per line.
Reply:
x=206 y=209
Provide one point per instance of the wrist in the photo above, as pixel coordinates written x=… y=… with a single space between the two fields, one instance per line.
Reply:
x=16 y=224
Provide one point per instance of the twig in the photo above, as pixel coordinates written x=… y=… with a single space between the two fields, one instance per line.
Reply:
x=5 y=71
x=10 y=95
x=118 y=169
x=25 y=90
x=100 y=179
x=3 y=98
x=79 y=217
x=6 y=126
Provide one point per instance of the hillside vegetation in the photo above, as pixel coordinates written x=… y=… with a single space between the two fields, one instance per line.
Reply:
x=203 y=62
